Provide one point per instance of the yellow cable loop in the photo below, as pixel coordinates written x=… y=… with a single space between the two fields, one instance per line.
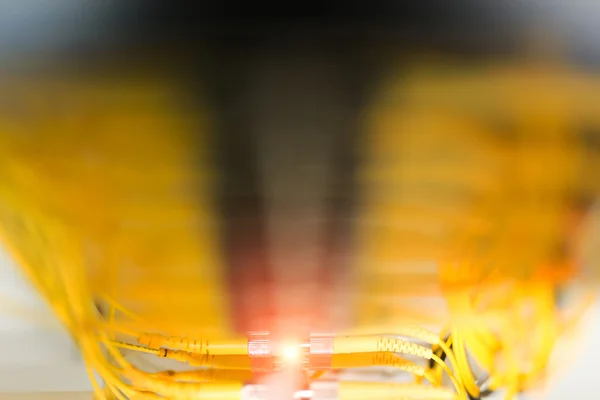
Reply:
x=459 y=389
x=452 y=359
x=438 y=370
x=443 y=333
x=463 y=367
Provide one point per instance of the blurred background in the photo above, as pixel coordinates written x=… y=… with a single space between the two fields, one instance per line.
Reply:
x=341 y=153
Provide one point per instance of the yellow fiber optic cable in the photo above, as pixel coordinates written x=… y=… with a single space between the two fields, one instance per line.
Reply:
x=376 y=344
x=233 y=347
x=463 y=367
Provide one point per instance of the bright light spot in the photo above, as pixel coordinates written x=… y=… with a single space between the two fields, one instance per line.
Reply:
x=290 y=352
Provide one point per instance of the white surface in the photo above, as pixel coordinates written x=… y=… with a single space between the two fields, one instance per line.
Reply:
x=36 y=354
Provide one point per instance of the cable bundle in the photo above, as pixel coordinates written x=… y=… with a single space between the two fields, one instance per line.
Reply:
x=108 y=215
x=475 y=189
